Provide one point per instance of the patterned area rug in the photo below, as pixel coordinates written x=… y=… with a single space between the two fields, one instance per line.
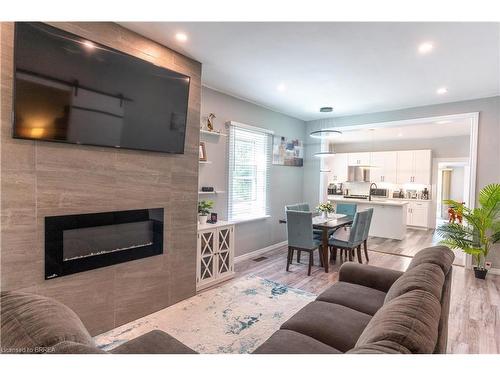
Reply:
x=234 y=318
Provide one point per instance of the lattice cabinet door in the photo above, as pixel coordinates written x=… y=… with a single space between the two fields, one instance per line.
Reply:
x=225 y=250
x=207 y=256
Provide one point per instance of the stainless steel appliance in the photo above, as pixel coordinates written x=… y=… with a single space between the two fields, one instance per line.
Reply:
x=379 y=193
x=335 y=189
x=358 y=174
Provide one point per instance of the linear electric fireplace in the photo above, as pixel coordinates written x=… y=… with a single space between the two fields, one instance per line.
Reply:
x=76 y=243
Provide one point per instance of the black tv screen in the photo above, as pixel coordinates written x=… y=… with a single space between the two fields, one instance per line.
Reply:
x=69 y=89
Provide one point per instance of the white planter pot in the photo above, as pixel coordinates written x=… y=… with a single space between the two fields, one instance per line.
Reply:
x=202 y=219
x=324 y=215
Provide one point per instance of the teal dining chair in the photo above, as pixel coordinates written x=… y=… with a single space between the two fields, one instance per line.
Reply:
x=305 y=208
x=351 y=239
x=348 y=209
x=300 y=236
x=367 y=231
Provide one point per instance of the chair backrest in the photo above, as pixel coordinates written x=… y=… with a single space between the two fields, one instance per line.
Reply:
x=297 y=207
x=368 y=223
x=358 y=228
x=348 y=209
x=299 y=229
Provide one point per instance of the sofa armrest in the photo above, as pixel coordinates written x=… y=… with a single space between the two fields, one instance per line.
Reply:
x=370 y=276
x=154 y=342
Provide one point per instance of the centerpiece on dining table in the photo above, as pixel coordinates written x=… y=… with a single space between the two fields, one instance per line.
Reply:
x=325 y=209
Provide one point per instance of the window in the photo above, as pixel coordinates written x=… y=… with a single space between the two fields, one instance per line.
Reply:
x=249 y=161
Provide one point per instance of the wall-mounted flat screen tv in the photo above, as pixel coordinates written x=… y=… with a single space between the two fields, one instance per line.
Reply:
x=70 y=89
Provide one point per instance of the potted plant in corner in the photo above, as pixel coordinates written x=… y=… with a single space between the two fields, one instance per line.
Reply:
x=204 y=208
x=325 y=209
x=479 y=230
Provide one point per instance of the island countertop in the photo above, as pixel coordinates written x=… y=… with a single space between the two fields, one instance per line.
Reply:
x=374 y=201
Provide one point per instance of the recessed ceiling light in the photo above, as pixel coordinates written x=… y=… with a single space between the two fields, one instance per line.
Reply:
x=326 y=109
x=181 y=37
x=425 y=47
x=442 y=90
x=88 y=44
x=281 y=87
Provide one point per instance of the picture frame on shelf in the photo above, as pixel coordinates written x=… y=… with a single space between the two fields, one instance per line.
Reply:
x=203 y=152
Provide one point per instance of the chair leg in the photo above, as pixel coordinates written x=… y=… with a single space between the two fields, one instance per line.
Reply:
x=330 y=249
x=310 y=263
x=334 y=254
x=366 y=250
x=289 y=258
x=359 y=254
x=298 y=256
x=320 y=249
x=350 y=254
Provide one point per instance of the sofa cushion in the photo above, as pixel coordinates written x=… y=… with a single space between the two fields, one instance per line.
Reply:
x=425 y=276
x=410 y=320
x=68 y=347
x=153 y=342
x=439 y=255
x=381 y=347
x=31 y=321
x=354 y=296
x=284 y=341
x=334 y=325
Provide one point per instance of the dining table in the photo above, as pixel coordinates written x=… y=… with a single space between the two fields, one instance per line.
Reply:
x=326 y=225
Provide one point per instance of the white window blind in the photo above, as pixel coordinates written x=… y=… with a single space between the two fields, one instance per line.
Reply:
x=248 y=176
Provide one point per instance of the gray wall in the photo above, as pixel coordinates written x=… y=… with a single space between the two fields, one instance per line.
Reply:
x=285 y=184
x=488 y=158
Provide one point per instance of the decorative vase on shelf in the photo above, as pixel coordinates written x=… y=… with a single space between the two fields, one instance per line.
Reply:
x=202 y=219
x=324 y=215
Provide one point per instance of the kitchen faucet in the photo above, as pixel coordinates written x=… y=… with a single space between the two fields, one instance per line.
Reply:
x=370 y=192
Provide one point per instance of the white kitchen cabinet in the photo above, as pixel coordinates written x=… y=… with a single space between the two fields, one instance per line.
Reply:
x=414 y=167
x=418 y=214
x=384 y=165
x=338 y=168
x=422 y=168
x=359 y=158
x=215 y=254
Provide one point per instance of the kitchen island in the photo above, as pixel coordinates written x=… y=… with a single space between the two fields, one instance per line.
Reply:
x=389 y=216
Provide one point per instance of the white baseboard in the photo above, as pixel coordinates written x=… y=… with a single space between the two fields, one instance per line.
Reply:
x=494 y=271
x=255 y=253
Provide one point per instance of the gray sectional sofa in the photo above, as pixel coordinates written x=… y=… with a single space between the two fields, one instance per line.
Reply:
x=370 y=310
x=375 y=310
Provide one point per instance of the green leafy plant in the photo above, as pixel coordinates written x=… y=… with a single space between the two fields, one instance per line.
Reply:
x=481 y=226
x=326 y=207
x=204 y=207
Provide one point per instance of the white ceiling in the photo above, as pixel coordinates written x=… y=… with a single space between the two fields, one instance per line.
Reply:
x=353 y=67
x=454 y=128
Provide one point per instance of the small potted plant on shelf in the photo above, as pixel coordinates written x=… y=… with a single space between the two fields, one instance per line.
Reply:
x=204 y=208
x=479 y=230
x=325 y=209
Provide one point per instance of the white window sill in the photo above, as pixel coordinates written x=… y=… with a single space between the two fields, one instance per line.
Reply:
x=242 y=221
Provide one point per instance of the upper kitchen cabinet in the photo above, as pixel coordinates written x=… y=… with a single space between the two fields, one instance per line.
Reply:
x=359 y=158
x=384 y=166
x=414 y=167
x=338 y=167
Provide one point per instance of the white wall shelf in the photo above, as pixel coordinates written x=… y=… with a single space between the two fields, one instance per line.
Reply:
x=214 y=133
x=205 y=162
x=211 y=192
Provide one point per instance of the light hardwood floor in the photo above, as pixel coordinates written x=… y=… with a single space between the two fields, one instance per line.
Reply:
x=474 y=325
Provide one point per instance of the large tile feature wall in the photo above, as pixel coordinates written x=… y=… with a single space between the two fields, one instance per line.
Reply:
x=41 y=179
